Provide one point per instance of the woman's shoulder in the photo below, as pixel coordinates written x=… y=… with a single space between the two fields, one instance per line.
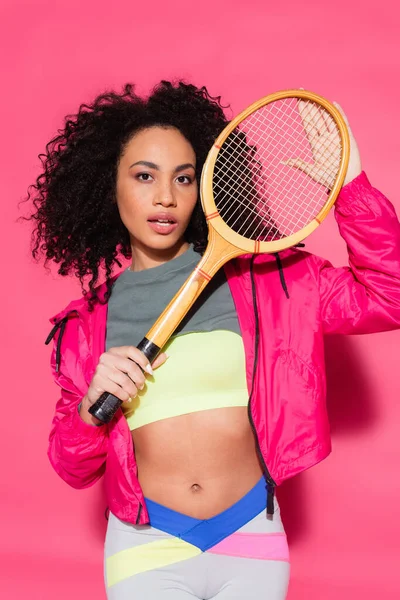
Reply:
x=83 y=304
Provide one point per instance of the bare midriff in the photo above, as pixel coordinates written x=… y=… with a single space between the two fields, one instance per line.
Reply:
x=198 y=464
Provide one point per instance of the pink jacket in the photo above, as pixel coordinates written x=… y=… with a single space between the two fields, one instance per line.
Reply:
x=296 y=305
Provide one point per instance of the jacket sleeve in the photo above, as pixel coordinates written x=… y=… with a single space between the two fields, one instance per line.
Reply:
x=77 y=450
x=364 y=297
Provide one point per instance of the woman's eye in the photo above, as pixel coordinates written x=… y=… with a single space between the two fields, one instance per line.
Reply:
x=144 y=176
x=184 y=179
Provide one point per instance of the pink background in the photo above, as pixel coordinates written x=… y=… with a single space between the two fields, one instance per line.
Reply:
x=342 y=516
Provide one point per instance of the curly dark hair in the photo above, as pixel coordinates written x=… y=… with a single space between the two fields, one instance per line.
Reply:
x=77 y=223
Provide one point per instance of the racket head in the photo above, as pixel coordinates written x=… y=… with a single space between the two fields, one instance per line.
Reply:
x=246 y=174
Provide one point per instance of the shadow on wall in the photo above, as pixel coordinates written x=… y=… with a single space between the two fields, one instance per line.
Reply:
x=351 y=409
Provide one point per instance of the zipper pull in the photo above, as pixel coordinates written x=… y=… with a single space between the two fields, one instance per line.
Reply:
x=139 y=514
x=270 y=499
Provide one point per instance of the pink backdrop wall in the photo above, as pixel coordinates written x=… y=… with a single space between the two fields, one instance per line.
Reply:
x=342 y=516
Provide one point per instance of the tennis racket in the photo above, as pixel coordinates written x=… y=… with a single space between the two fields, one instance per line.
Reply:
x=269 y=180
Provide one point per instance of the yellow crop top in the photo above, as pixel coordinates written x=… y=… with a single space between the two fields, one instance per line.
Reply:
x=204 y=370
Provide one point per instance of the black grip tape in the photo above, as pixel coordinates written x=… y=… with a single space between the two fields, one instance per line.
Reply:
x=149 y=349
x=105 y=407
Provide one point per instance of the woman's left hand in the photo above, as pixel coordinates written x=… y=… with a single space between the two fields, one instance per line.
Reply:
x=320 y=137
x=354 y=168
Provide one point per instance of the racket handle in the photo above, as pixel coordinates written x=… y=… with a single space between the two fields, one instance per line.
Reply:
x=107 y=405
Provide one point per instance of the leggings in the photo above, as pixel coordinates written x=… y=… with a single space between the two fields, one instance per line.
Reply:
x=238 y=554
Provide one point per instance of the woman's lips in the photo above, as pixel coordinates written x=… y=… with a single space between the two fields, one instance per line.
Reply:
x=163 y=224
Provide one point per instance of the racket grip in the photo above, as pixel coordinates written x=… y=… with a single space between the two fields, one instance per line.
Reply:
x=107 y=405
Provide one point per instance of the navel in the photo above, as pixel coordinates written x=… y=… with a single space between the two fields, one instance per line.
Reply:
x=196 y=487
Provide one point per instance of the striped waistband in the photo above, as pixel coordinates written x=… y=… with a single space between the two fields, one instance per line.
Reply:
x=205 y=533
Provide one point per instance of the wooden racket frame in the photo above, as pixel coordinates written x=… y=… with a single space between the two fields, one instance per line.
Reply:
x=225 y=244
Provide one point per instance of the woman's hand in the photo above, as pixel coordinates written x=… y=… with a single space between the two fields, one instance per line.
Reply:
x=354 y=168
x=323 y=135
x=119 y=372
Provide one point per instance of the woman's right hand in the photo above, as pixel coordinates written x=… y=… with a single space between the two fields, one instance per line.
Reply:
x=119 y=372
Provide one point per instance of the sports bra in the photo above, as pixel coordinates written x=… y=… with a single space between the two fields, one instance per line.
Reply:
x=206 y=364
x=205 y=370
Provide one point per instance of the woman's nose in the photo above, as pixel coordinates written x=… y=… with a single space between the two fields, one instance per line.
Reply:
x=165 y=197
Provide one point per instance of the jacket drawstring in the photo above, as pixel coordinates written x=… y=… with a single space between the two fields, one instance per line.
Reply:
x=60 y=325
x=281 y=274
x=280 y=269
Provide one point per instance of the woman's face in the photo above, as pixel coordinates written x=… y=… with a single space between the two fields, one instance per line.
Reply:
x=157 y=191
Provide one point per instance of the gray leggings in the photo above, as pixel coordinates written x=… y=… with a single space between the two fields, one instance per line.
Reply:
x=145 y=563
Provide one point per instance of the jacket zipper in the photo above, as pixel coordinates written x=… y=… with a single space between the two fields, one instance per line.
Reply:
x=270 y=482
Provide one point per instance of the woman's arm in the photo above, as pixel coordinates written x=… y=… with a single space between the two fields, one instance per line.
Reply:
x=79 y=442
x=364 y=297
x=77 y=450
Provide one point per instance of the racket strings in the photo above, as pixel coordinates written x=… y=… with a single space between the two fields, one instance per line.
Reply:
x=243 y=186
x=235 y=174
x=289 y=182
x=295 y=135
x=274 y=171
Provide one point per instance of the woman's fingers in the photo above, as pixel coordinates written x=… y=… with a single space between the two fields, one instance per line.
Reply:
x=139 y=358
x=134 y=354
x=310 y=118
x=120 y=372
x=160 y=360
x=113 y=381
x=340 y=109
x=104 y=383
x=124 y=365
x=355 y=167
x=320 y=173
x=298 y=163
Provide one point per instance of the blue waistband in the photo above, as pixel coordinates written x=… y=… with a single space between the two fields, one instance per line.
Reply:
x=205 y=533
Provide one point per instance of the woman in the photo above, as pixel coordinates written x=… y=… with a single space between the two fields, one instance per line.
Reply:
x=192 y=459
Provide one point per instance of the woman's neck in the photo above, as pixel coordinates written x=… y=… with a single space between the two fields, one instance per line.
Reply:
x=147 y=258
